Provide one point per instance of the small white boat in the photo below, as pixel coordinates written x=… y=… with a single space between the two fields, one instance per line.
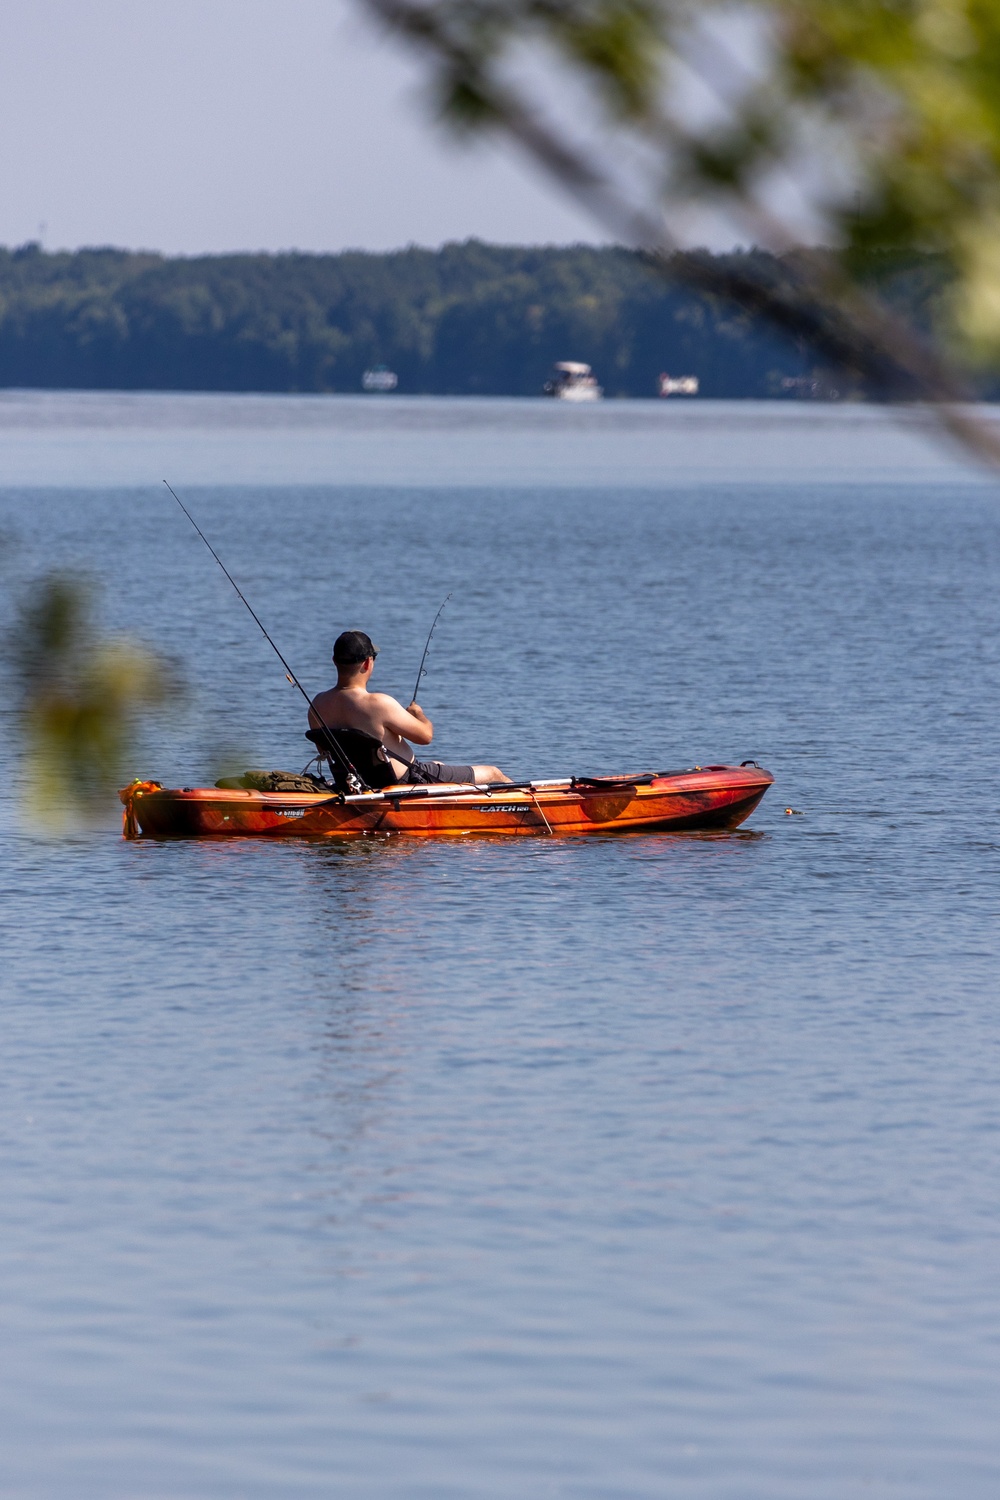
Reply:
x=572 y=381
x=678 y=385
x=379 y=378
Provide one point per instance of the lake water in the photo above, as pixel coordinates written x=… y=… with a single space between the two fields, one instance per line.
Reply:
x=612 y=1168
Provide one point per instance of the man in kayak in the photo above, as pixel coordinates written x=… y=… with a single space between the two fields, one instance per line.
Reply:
x=350 y=705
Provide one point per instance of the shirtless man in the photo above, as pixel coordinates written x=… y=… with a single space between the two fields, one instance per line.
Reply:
x=350 y=705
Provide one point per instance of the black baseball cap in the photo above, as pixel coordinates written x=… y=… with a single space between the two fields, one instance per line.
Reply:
x=353 y=646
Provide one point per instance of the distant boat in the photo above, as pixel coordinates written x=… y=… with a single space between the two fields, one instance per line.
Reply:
x=571 y=381
x=678 y=385
x=379 y=378
x=810 y=386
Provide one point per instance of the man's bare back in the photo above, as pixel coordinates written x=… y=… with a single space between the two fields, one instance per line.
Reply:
x=350 y=705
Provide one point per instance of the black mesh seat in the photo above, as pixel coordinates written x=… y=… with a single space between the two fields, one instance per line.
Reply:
x=365 y=753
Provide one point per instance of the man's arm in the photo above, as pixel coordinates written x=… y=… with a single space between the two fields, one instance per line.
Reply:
x=316 y=714
x=409 y=723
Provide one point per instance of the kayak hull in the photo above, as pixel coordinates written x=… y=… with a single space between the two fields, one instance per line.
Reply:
x=709 y=797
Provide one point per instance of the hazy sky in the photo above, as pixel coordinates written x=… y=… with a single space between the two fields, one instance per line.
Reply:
x=204 y=125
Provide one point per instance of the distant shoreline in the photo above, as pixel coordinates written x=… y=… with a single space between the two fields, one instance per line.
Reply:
x=468 y=319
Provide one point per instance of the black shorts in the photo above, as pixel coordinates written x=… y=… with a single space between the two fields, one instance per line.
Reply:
x=423 y=771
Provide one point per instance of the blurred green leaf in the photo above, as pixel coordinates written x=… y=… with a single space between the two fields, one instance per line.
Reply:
x=82 y=697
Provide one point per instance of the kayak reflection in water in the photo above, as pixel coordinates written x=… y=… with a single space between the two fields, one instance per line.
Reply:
x=351 y=706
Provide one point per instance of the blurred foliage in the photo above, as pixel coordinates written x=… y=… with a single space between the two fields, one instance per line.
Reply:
x=916 y=89
x=81 y=697
x=852 y=125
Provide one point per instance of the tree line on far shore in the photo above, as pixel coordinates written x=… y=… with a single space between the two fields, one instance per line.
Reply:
x=468 y=319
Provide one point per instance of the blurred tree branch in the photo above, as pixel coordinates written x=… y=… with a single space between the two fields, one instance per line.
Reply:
x=849 y=124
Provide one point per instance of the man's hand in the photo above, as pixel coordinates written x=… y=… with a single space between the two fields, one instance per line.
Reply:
x=417 y=712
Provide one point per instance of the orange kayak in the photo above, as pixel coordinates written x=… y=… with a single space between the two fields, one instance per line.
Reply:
x=702 y=797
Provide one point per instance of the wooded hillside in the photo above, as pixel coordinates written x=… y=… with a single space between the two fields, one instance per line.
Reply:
x=468 y=319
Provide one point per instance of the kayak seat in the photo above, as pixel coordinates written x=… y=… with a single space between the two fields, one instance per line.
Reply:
x=365 y=753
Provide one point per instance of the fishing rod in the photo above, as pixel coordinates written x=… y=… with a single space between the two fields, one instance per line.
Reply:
x=290 y=675
x=423 y=659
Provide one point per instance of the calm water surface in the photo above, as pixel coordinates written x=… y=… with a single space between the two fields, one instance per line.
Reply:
x=636 y=1167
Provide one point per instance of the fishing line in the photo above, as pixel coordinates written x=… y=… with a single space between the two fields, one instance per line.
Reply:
x=290 y=675
x=534 y=797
